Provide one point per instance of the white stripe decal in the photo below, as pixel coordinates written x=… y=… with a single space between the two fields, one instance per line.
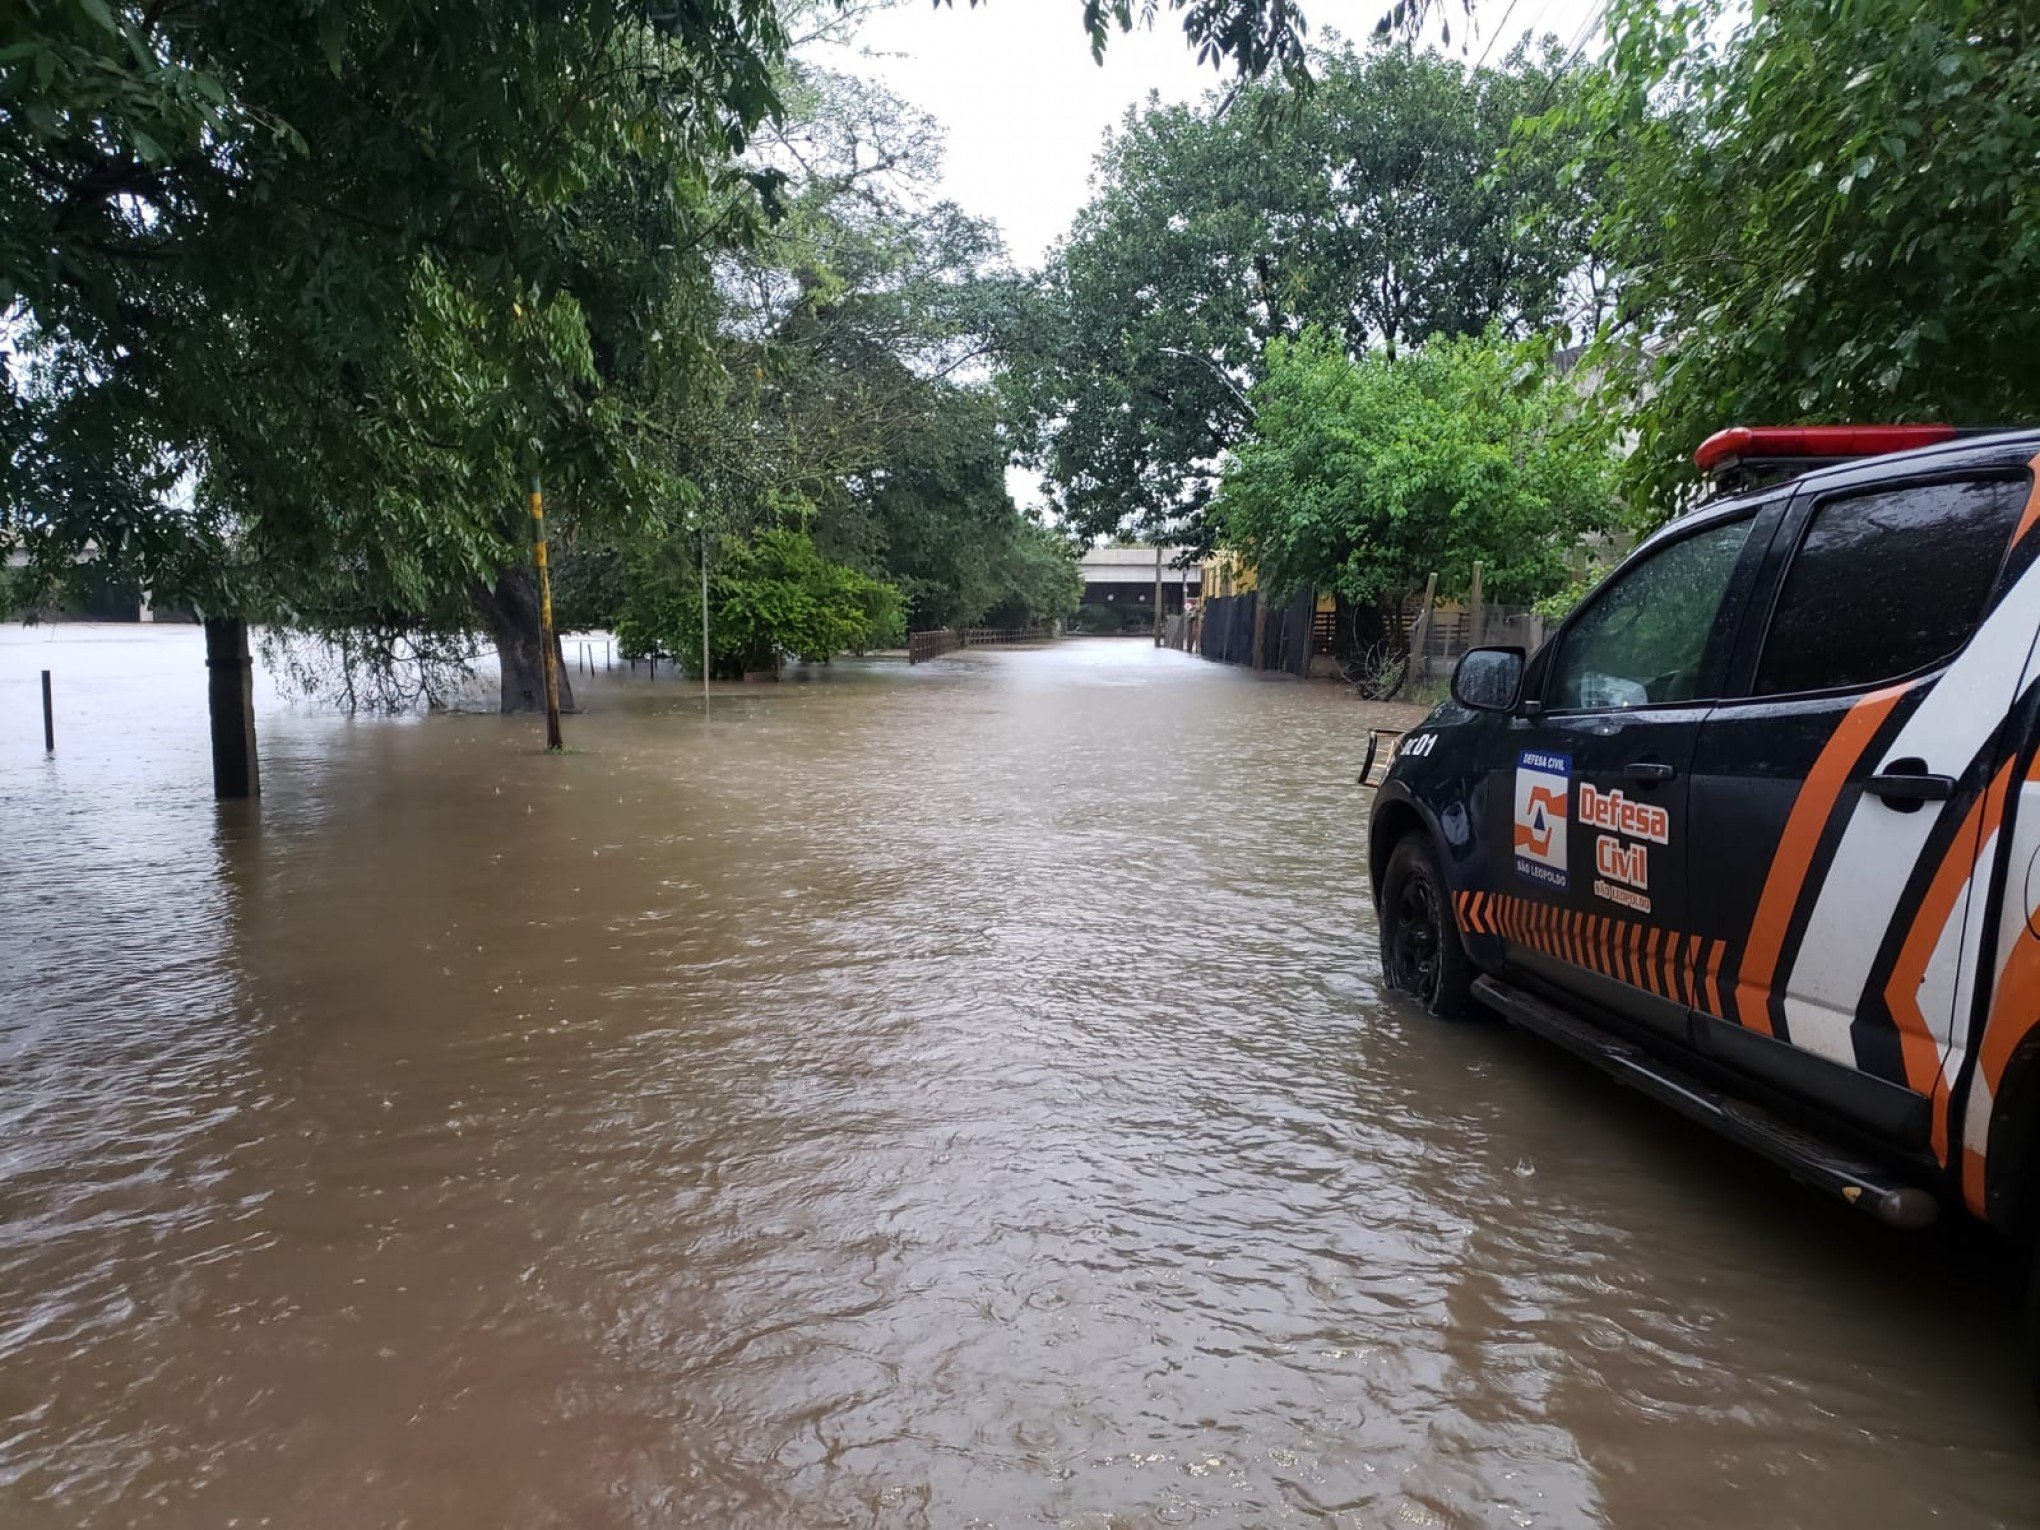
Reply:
x=1879 y=848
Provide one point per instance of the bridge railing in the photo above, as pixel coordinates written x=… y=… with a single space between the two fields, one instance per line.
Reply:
x=940 y=640
x=922 y=646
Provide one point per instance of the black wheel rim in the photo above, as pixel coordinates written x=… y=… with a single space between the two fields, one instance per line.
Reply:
x=1416 y=942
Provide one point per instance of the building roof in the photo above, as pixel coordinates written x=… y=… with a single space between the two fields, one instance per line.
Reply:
x=1124 y=565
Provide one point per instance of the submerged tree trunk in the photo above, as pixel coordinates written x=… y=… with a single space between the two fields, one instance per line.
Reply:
x=510 y=607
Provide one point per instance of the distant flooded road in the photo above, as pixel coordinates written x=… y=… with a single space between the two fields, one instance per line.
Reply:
x=949 y=1096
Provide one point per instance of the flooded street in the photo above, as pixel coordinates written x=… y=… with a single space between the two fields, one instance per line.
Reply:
x=958 y=1095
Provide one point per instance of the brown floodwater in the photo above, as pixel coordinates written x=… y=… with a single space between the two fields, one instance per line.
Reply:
x=950 y=1096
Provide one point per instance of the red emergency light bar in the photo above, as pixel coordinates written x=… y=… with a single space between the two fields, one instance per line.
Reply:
x=1743 y=443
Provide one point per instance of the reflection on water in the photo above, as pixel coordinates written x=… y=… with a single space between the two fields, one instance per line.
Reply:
x=957 y=1095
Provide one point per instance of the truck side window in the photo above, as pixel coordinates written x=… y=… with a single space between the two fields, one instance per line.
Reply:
x=1643 y=641
x=1885 y=584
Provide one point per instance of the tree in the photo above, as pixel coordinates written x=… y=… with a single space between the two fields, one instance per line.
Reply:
x=1252 y=35
x=934 y=516
x=301 y=361
x=296 y=300
x=1370 y=205
x=769 y=595
x=1828 y=211
x=1362 y=478
x=845 y=329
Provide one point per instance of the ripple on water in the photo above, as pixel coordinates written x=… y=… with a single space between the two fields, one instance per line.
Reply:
x=958 y=1096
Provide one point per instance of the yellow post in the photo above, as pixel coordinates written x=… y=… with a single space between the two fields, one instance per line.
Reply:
x=553 y=741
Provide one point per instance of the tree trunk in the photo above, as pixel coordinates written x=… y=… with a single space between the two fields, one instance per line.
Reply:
x=510 y=607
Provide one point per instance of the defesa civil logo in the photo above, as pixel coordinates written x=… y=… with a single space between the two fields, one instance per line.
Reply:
x=1543 y=792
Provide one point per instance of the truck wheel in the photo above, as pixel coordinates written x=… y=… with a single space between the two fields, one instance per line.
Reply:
x=1420 y=951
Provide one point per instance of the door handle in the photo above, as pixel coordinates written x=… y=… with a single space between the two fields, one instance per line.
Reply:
x=1648 y=771
x=1905 y=784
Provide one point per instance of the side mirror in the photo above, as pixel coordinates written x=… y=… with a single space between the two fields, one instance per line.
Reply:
x=1487 y=679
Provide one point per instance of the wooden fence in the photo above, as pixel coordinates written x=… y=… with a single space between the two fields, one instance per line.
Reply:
x=929 y=645
x=941 y=640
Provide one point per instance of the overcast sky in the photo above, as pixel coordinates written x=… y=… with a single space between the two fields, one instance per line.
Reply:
x=1025 y=108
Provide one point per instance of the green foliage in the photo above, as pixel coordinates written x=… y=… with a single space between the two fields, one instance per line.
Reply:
x=302 y=296
x=589 y=586
x=770 y=595
x=1251 y=35
x=1369 y=206
x=1559 y=604
x=935 y=517
x=846 y=331
x=1825 y=211
x=1035 y=579
x=1363 y=477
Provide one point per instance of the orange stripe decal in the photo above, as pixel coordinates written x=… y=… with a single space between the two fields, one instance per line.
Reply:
x=1794 y=857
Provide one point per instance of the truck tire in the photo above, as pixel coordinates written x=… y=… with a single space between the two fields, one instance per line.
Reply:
x=1421 y=954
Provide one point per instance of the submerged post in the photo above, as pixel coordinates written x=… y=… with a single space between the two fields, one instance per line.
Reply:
x=553 y=741
x=49 y=718
x=230 y=695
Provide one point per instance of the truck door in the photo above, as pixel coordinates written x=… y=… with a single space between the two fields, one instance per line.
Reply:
x=1845 y=795
x=1588 y=807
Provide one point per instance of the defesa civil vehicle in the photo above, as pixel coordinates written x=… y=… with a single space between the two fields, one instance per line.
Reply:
x=1757 y=830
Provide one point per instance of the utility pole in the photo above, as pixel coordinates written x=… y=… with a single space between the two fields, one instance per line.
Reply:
x=553 y=741
x=1158 y=594
x=704 y=623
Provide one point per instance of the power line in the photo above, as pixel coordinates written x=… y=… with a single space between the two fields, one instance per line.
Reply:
x=1500 y=28
x=1538 y=20
x=1580 y=39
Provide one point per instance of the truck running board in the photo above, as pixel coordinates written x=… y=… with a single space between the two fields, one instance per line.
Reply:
x=1801 y=1154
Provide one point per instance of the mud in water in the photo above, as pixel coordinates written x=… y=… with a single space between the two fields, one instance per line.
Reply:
x=959 y=1095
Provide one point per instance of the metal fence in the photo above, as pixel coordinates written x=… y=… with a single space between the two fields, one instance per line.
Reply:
x=1227 y=624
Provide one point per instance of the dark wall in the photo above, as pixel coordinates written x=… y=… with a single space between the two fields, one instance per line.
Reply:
x=1125 y=593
